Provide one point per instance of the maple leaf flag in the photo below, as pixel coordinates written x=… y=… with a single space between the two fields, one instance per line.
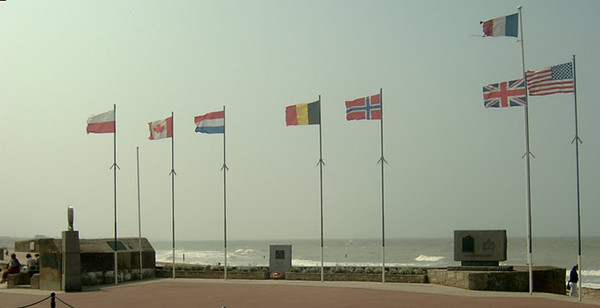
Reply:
x=161 y=129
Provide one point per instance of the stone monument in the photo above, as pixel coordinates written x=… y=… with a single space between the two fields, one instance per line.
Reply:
x=71 y=258
x=280 y=258
x=480 y=247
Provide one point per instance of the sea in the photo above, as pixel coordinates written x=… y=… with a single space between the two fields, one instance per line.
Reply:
x=428 y=252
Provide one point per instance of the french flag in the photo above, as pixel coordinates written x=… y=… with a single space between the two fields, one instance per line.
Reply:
x=211 y=123
x=502 y=26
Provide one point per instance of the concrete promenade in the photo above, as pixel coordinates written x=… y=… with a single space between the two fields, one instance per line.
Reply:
x=270 y=293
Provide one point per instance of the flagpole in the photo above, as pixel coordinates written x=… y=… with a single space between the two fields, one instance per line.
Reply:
x=577 y=141
x=139 y=210
x=115 y=166
x=383 y=162
x=224 y=168
x=173 y=187
x=527 y=163
x=321 y=163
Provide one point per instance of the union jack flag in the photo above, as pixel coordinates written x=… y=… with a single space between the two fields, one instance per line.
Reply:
x=505 y=94
x=364 y=108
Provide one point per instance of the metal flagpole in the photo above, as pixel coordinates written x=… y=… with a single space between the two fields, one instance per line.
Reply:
x=139 y=210
x=577 y=141
x=527 y=163
x=115 y=167
x=321 y=163
x=382 y=161
x=173 y=174
x=225 y=169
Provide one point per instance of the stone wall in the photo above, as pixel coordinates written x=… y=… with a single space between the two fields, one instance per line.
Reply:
x=356 y=277
x=166 y=273
x=545 y=279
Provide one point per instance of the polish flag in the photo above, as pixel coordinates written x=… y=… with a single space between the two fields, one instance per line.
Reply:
x=101 y=123
x=161 y=129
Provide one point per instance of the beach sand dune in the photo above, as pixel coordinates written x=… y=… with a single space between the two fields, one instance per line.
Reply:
x=265 y=294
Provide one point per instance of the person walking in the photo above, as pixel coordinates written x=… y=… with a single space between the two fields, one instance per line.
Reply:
x=573 y=279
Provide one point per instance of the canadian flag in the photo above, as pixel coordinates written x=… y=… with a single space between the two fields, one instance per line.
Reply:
x=161 y=129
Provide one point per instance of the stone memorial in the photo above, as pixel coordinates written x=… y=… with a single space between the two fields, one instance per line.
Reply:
x=280 y=258
x=480 y=247
x=71 y=257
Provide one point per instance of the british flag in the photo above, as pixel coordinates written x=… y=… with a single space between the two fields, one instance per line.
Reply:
x=505 y=94
x=364 y=108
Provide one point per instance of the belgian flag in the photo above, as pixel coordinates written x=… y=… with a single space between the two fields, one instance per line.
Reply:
x=303 y=114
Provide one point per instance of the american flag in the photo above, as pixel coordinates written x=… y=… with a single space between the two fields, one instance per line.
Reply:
x=365 y=108
x=505 y=94
x=551 y=80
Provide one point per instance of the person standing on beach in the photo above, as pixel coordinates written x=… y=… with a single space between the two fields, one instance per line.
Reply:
x=573 y=279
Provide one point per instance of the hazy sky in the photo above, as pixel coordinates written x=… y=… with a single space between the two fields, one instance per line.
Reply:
x=452 y=164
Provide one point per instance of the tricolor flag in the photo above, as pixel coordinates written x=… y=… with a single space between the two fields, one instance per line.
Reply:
x=505 y=94
x=502 y=26
x=551 y=80
x=161 y=129
x=303 y=114
x=101 y=123
x=211 y=123
x=366 y=108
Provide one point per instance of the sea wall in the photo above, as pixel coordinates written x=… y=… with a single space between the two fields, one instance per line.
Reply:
x=545 y=279
x=168 y=273
x=357 y=277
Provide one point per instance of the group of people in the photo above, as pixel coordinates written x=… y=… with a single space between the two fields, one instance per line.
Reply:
x=14 y=266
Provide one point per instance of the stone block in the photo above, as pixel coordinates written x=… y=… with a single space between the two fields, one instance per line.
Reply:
x=70 y=242
x=480 y=247
x=35 y=281
x=280 y=258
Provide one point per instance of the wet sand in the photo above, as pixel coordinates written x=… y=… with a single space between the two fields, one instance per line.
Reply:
x=264 y=294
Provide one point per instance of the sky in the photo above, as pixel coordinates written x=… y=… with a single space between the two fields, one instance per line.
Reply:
x=452 y=164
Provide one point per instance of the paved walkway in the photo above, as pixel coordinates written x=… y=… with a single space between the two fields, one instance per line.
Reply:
x=289 y=294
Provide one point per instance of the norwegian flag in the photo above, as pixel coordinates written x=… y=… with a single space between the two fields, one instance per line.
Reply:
x=366 y=108
x=505 y=94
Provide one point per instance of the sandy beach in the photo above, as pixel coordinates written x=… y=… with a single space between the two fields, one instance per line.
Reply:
x=243 y=293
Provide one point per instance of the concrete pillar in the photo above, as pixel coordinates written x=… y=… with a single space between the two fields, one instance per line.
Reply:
x=71 y=262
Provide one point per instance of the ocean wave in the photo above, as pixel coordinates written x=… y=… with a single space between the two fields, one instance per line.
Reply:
x=246 y=251
x=302 y=263
x=424 y=258
x=590 y=273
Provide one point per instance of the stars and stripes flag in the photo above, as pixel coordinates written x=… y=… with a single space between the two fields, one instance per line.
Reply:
x=364 y=108
x=551 y=80
x=505 y=94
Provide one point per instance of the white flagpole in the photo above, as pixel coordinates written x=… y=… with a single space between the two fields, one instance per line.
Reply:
x=383 y=162
x=115 y=167
x=321 y=163
x=173 y=174
x=225 y=169
x=527 y=162
x=139 y=211
x=577 y=141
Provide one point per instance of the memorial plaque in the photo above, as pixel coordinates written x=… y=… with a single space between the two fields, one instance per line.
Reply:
x=480 y=247
x=280 y=258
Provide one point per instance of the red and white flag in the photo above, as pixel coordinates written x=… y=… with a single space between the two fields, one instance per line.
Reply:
x=161 y=129
x=101 y=123
x=551 y=80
